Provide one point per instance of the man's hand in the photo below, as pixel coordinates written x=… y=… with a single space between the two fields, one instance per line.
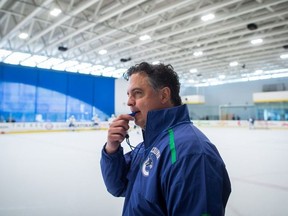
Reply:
x=117 y=132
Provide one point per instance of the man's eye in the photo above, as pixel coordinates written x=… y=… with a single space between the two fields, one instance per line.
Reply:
x=137 y=94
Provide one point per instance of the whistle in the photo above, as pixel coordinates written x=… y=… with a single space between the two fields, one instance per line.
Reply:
x=133 y=113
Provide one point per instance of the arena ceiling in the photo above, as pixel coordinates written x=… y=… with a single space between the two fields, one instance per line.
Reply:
x=206 y=41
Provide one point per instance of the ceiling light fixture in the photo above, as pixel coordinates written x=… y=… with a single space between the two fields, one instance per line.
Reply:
x=33 y=60
x=198 y=53
x=49 y=63
x=55 y=12
x=208 y=17
x=258 y=72
x=102 y=52
x=23 y=35
x=194 y=70
x=284 y=56
x=4 y=54
x=16 y=58
x=145 y=37
x=155 y=62
x=222 y=76
x=233 y=64
x=257 y=41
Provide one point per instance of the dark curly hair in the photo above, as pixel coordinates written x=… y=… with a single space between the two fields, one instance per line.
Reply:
x=160 y=76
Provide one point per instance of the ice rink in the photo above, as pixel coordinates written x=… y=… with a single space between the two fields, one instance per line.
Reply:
x=58 y=174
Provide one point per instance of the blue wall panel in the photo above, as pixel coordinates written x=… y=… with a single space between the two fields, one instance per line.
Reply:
x=14 y=73
x=55 y=95
x=53 y=80
x=81 y=86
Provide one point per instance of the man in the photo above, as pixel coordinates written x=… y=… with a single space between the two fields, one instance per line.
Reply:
x=175 y=170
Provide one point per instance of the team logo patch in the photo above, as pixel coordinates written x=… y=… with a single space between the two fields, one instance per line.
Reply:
x=153 y=156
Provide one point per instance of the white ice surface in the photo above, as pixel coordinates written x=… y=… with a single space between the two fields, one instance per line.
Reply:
x=58 y=174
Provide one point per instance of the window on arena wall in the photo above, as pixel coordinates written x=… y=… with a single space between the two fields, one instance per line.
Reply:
x=17 y=102
x=82 y=111
x=51 y=105
x=272 y=111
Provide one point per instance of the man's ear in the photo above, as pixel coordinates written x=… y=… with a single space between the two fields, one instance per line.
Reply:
x=165 y=95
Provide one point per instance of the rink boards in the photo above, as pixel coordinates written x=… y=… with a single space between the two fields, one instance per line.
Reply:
x=26 y=127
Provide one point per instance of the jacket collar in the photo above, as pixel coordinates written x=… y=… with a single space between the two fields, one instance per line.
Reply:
x=159 y=121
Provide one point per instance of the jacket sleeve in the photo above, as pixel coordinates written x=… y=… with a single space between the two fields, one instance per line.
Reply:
x=197 y=185
x=114 y=168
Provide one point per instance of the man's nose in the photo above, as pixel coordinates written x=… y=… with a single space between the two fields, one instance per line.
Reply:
x=131 y=101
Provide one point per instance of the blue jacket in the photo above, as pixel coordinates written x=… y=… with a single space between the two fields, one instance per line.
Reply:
x=175 y=171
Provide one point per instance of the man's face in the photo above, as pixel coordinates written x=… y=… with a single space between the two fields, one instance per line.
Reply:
x=143 y=98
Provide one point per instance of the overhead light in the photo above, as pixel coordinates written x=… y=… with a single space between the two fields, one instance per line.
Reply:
x=84 y=71
x=108 y=71
x=64 y=65
x=102 y=52
x=194 y=70
x=222 y=76
x=49 y=63
x=98 y=67
x=81 y=66
x=16 y=57
x=59 y=67
x=118 y=73
x=245 y=75
x=23 y=35
x=72 y=69
x=278 y=71
x=204 y=84
x=284 y=56
x=279 y=75
x=198 y=53
x=145 y=37
x=4 y=53
x=258 y=72
x=257 y=41
x=191 y=81
x=233 y=64
x=33 y=60
x=155 y=62
x=121 y=70
x=55 y=12
x=208 y=17
x=96 y=72
x=211 y=80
